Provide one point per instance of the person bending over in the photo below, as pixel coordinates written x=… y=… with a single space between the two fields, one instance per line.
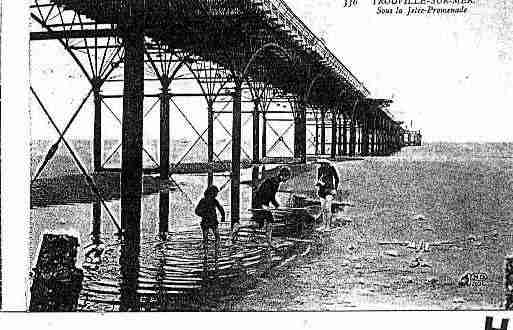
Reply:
x=266 y=195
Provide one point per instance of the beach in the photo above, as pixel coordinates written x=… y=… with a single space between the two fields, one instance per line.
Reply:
x=421 y=219
x=459 y=194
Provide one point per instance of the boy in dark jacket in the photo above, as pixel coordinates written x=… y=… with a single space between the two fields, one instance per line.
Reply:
x=206 y=209
x=327 y=183
x=265 y=195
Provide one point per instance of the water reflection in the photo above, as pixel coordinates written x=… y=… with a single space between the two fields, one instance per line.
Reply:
x=170 y=272
x=129 y=269
x=93 y=252
x=210 y=273
x=97 y=223
x=161 y=300
x=163 y=213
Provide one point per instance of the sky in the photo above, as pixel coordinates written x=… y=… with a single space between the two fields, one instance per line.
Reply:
x=451 y=76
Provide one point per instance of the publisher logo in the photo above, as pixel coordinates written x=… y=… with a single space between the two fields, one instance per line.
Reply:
x=474 y=279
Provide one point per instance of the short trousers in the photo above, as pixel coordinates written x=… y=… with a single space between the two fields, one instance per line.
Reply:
x=323 y=192
x=207 y=224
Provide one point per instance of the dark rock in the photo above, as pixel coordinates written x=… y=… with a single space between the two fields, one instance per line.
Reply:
x=56 y=282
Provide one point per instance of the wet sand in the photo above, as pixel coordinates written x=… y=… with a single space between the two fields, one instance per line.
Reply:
x=433 y=194
x=458 y=195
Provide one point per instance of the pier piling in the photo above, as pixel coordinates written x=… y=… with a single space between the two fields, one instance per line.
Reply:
x=236 y=152
x=97 y=130
x=333 y=134
x=300 y=132
x=132 y=132
x=164 y=133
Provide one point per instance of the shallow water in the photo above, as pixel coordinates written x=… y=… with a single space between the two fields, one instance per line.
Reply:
x=171 y=274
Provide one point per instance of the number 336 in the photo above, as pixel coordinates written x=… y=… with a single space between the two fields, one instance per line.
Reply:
x=350 y=3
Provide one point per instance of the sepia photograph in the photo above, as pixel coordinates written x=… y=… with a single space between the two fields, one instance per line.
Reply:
x=269 y=155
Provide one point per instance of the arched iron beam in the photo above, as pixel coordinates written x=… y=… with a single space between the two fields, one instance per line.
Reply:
x=253 y=58
x=205 y=93
x=161 y=77
x=355 y=106
x=245 y=73
x=236 y=128
x=308 y=93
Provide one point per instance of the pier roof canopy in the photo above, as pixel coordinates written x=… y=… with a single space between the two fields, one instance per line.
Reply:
x=232 y=33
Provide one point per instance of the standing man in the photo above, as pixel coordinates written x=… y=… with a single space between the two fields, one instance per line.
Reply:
x=327 y=183
x=265 y=195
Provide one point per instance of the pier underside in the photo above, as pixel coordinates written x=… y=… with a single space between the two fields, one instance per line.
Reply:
x=267 y=91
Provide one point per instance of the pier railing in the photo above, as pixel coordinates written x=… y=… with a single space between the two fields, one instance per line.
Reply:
x=282 y=14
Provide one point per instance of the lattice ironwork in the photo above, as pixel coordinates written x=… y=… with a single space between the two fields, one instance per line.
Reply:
x=228 y=33
x=239 y=53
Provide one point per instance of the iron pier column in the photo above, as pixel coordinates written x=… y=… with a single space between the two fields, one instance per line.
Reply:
x=365 y=136
x=385 y=139
x=352 y=137
x=316 y=135
x=394 y=139
x=333 y=134
x=344 y=135
x=97 y=132
x=358 y=137
x=300 y=133
x=256 y=133
x=378 y=138
x=323 y=133
x=164 y=132
x=399 y=139
x=339 y=136
x=132 y=134
x=164 y=159
x=254 y=184
x=373 y=137
x=236 y=151
x=210 y=140
x=264 y=135
x=381 y=137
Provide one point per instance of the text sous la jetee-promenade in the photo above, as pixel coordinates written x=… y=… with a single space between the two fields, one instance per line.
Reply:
x=423 y=2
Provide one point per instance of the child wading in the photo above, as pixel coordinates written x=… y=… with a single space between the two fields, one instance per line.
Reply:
x=327 y=182
x=206 y=209
x=265 y=195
